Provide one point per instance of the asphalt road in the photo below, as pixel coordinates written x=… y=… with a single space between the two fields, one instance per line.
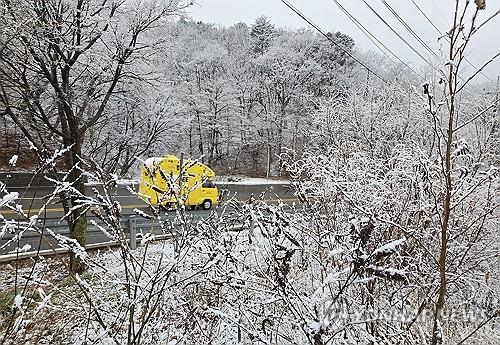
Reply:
x=32 y=199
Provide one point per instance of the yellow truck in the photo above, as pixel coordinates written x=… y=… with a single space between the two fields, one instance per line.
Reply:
x=162 y=183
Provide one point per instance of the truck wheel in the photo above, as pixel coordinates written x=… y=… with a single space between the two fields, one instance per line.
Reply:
x=207 y=205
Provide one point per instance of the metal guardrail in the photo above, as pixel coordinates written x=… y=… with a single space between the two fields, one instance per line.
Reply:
x=128 y=224
x=134 y=226
x=60 y=227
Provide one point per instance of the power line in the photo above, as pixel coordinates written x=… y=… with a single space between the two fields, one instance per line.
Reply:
x=315 y=26
x=409 y=29
x=396 y=33
x=442 y=35
x=430 y=21
x=372 y=37
x=363 y=30
x=401 y=38
x=441 y=13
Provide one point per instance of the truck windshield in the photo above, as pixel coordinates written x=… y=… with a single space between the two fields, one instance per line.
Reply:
x=208 y=184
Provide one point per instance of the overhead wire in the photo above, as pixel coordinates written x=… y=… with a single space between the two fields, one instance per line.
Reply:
x=441 y=13
x=397 y=34
x=317 y=28
x=430 y=21
x=423 y=43
x=409 y=29
x=478 y=71
x=446 y=37
x=405 y=41
x=364 y=31
x=372 y=37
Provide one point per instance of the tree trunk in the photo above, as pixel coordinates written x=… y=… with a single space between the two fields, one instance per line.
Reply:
x=77 y=221
x=200 y=133
x=438 y=311
x=268 y=168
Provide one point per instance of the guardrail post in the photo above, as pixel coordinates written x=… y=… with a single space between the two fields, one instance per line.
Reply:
x=176 y=228
x=132 y=226
x=252 y=225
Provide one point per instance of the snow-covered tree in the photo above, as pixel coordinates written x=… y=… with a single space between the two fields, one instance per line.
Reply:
x=262 y=34
x=61 y=63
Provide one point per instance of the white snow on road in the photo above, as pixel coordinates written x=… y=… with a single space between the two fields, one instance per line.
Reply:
x=247 y=181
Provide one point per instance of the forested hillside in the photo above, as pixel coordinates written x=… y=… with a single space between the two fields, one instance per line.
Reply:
x=235 y=96
x=238 y=96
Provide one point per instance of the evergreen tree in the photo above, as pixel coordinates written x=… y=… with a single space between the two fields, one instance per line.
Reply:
x=262 y=35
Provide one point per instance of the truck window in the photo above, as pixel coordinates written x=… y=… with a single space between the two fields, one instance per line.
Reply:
x=208 y=184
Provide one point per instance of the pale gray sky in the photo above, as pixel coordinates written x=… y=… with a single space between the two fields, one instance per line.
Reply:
x=328 y=16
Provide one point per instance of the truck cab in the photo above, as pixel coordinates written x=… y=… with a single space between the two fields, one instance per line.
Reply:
x=163 y=183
